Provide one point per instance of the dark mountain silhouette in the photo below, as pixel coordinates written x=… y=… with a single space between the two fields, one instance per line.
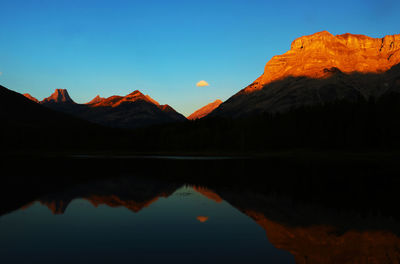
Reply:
x=131 y=193
x=321 y=68
x=26 y=124
x=130 y=111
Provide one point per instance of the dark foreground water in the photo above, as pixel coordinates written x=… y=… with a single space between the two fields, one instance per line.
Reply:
x=132 y=211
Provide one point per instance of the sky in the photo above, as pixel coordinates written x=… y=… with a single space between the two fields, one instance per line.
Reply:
x=165 y=48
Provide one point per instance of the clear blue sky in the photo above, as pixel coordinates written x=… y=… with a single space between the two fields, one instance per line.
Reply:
x=163 y=48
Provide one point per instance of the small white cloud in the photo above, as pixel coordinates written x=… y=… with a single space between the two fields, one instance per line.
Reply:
x=202 y=83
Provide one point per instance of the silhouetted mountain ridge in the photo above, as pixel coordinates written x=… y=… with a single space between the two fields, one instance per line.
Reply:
x=130 y=111
x=26 y=123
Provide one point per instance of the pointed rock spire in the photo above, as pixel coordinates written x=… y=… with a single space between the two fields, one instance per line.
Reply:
x=59 y=96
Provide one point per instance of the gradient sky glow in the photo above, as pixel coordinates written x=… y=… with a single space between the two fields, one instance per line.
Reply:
x=163 y=48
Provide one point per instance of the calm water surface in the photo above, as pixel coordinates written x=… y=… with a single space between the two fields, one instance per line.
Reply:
x=188 y=224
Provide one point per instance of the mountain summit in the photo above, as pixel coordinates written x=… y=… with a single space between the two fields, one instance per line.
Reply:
x=59 y=96
x=321 y=68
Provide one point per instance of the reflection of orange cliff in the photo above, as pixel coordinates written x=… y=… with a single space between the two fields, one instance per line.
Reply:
x=315 y=244
x=321 y=244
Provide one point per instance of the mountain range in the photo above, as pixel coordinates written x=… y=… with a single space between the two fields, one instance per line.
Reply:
x=130 y=111
x=26 y=123
x=318 y=69
x=326 y=90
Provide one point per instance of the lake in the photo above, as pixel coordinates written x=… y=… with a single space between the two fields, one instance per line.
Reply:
x=131 y=212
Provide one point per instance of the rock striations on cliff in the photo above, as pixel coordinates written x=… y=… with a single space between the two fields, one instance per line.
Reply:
x=319 y=68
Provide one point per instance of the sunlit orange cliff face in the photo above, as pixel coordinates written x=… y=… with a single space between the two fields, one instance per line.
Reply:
x=316 y=55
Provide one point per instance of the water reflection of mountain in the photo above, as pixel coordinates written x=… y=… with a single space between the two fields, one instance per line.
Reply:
x=131 y=193
x=311 y=232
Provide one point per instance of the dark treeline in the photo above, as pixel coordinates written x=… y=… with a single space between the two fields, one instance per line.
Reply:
x=366 y=124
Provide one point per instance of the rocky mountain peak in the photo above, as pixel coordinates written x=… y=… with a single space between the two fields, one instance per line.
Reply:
x=59 y=96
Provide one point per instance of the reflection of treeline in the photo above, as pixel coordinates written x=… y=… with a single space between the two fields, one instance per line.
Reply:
x=373 y=123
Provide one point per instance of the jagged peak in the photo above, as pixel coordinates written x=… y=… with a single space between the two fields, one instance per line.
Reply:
x=59 y=96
